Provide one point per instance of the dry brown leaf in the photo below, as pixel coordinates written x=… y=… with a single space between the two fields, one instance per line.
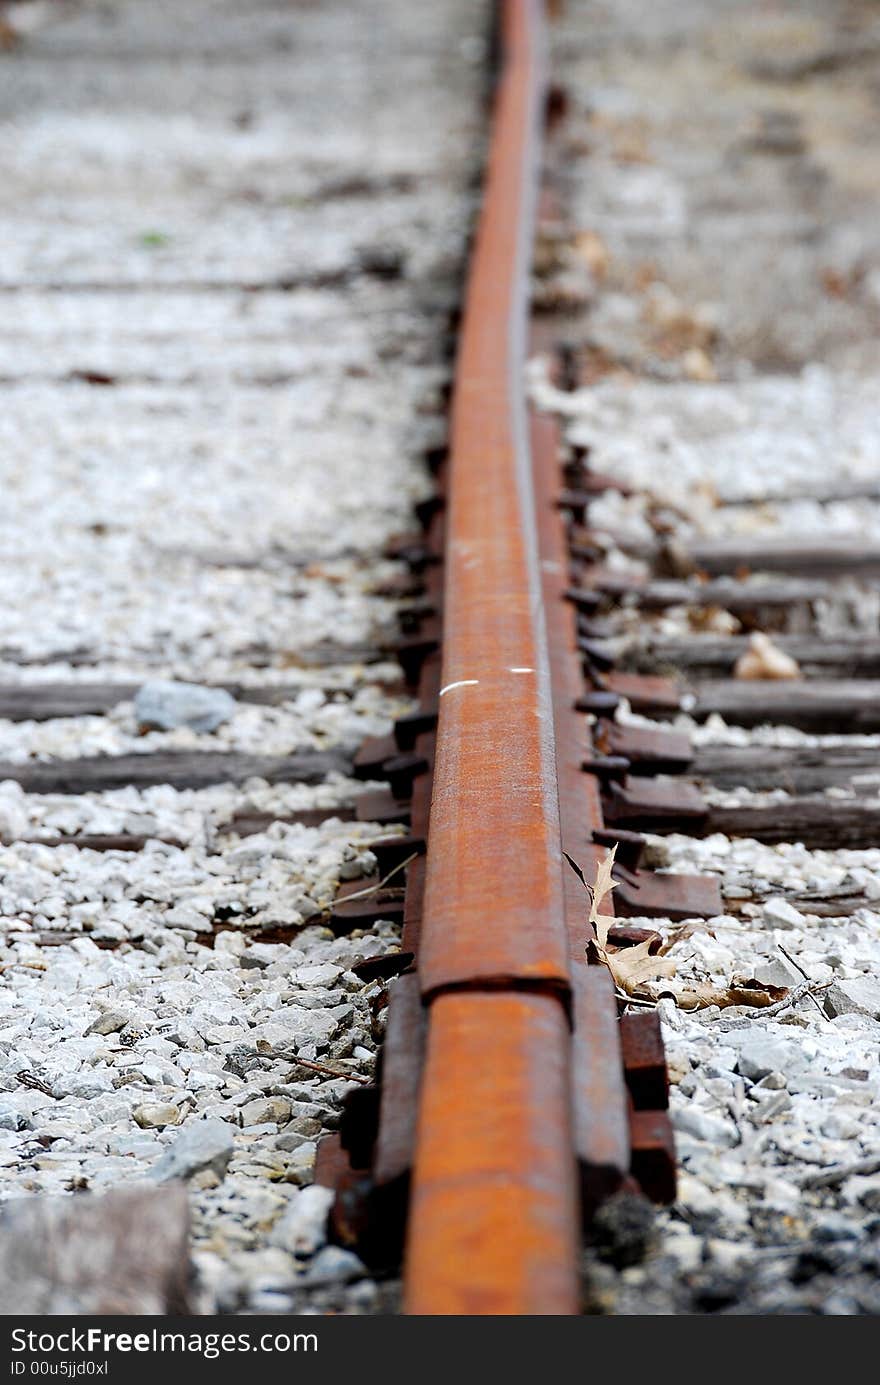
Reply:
x=632 y=966
x=703 y=994
x=603 y=886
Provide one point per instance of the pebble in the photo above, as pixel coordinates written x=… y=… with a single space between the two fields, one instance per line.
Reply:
x=759 y=1057
x=776 y=972
x=164 y=706
x=778 y=913
x=110 y=1021
x=838 y=1126
x=705 y=1127
x=334 y=1265
x=770 y=1082
x=11 y=1119
x=156 y=1115
x=205 y=1146
x=302 y=1229
x=266 y=1110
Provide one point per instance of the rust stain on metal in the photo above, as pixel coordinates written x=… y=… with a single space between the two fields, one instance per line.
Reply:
x=601 y=1128
x=493 y=1218
x=493 y=896
x=675 y=897
x=644 y=1059
x=653 y=1153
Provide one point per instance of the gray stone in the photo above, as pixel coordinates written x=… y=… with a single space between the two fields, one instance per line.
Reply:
x=155 y=1115
x=126 y=1252
x=839 y=1126
x=10 y=1119
x=859 y=996
x=302 y=1227
x=290 y=1140
x=772 y=1082
x=776 y=972
x=773 y=1104
x=780 y=914
x=300 y=1023
x=309 y=1126
x=758 y=1057
x=161 y=705
x=109 y=1022
x=205 y=1145
x=273 y=1110
x=333 y=1265
x=834 y=1226
x=705 y=1127
x=863 y=1189
x=86 y=1086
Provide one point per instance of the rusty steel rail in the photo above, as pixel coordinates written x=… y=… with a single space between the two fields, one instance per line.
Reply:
x=493 y=1211
x=512 y=1098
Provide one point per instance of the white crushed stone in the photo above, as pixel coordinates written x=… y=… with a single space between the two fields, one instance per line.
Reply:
x=752 y=869
x=188 y=815
x=311 y=720
x=283 y=875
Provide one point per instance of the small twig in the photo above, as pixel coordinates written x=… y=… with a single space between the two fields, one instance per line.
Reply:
x=797 y=966
x=799 y=993
x=28 y=1079
x=770 y=1011
x=321 y=1067
x=634 y=999
x=371 y=889
x=331 y=1071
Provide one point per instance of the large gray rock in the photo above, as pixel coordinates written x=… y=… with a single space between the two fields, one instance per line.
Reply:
x=860 y=996
x=204 y=1146
x=164 y=706
x=776 y=972
x=110 y=1021
x=759 y=1056
x=266 y=1110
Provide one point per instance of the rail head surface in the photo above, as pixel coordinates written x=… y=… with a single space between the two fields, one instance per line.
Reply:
x=493 y=893
x=493 y=1214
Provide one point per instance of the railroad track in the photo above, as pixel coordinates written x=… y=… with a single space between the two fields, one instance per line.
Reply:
x=512 y=1098
x=571 y=625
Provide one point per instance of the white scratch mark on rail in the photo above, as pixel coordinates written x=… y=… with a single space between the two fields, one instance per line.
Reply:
x=462 y=683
